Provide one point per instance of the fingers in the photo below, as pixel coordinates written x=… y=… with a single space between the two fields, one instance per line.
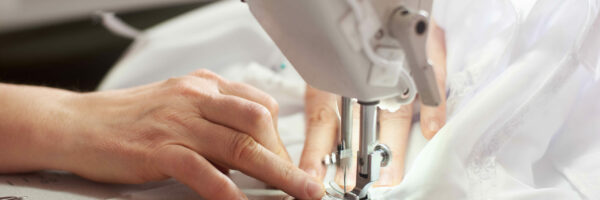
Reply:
x=193 y=170
x=252 y=94
x=244 y=116
x=433 y=118
x=255 y=95
x=244 y=91
x=256 y=161
x=220 y=135
x=240 y=151
x=394 y=130
x=243 y=108
x=321 y=131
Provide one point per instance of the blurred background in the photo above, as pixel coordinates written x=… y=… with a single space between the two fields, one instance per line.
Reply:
x=59 y=43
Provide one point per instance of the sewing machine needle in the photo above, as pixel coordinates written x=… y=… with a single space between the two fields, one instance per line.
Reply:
x=345 y=179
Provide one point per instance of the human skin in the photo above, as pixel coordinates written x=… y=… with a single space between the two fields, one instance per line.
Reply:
x=322 y=122
x=192 y=128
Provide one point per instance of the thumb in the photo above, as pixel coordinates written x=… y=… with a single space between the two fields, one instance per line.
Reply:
x=433 y=118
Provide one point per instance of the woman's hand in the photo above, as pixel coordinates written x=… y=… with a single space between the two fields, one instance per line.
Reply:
x=322 y=122
x=191 y=128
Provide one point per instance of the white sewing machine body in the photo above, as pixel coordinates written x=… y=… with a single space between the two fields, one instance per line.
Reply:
x=324 y=42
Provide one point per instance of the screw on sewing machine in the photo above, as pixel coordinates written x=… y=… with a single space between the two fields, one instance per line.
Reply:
x=379 y=34
x=421 y=27
x=330 y=159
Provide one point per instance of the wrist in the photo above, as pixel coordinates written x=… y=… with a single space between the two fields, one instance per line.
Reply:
x=57 y=131
x=35 y=128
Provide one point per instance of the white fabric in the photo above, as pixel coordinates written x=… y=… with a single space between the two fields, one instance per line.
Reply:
x=523 y=104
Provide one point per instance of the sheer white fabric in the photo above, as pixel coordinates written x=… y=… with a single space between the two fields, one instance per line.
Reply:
x=523 y=104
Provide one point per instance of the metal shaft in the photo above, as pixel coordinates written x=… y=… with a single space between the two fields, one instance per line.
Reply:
x=346 y=123
x=345 y=150
x=368 y=134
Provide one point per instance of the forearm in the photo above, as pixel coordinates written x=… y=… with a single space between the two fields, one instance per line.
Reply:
x=33 y=128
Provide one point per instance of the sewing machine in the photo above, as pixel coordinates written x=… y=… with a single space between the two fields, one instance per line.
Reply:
x=371 y=51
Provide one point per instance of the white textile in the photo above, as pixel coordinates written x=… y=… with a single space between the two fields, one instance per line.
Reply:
x=523 y=104
x=523 y=107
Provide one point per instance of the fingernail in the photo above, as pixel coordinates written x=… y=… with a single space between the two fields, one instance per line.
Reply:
x=243 y=196
x=314 y=189
x=434 y=126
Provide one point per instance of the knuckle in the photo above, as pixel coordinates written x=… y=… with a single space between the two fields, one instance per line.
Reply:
x=258 y=114
x=244 y=147
x=287 y=173
x=321 y=115
x=207 y=74
x=272 y=105
x=176 y=80
x=183 y=86
x=266 y=100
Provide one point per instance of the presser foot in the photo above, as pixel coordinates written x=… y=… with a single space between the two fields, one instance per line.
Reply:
x=380 y=157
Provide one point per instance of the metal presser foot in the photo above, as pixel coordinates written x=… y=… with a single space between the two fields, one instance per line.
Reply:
x=371 y=155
